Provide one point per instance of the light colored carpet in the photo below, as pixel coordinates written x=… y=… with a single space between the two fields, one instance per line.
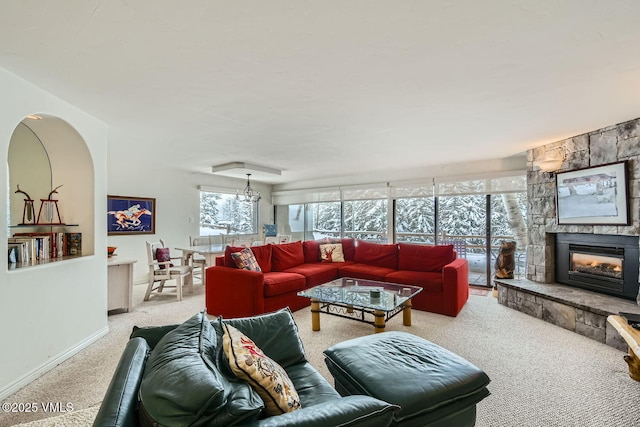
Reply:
x=542 y=375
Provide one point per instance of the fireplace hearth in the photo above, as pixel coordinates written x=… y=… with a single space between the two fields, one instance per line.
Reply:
x=602 y=263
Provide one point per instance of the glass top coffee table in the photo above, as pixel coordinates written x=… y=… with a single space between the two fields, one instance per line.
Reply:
x=366 y=301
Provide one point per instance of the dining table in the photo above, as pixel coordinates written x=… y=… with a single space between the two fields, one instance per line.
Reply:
x=209 y=252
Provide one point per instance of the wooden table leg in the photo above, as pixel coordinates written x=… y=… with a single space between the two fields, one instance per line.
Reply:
x=406 y=313
x=634 y=364
x=632 y=338
x=315 y=314
x=380 y=318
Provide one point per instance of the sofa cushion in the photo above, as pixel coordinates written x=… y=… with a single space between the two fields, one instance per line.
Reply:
x=348 y=248
x=286 y=255
x=151 y=334
x=311 y=250
x=316 y=273
x=428 y=280
x=182 y=385
x=245 y=260
x=267 y=377
x=364 y=271
x=279 y=282
x=424 y=257
x=262 y=254
x=276 y=333
x=331 y=252
x=376 y=254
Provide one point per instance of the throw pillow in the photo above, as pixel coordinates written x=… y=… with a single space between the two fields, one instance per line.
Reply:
x=163 y=255
x=267 y=377
x=331 y=253
x=245 y=260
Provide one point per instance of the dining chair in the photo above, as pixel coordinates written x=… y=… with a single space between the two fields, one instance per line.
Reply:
x=197 y=261
x=283 y=238
x=162 y=269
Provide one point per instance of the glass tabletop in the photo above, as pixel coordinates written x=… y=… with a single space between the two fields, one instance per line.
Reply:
x=362 y=293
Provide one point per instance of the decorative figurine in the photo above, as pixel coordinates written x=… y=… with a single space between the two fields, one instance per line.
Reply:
x=28 y=213
x=48 y=204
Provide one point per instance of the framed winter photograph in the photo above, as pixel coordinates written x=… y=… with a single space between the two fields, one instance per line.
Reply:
x=596 y=195
x=130 y=215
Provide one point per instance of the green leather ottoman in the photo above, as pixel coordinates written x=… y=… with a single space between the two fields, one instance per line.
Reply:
x=432 y=385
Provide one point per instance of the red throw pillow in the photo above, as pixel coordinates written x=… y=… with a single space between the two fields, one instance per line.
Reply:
x=163 y=255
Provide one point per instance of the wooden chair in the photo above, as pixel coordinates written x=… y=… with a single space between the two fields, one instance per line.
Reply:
x=180 y=273
x=198 y=262
x=283 y=238
x=459 y=245
x=241 y=243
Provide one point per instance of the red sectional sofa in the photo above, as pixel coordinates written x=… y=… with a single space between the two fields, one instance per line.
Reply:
x=291 y=267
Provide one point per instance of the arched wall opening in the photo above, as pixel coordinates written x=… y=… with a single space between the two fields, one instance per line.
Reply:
x=45 y=154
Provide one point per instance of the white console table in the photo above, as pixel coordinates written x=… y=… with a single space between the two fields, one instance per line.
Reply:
x=119 y=283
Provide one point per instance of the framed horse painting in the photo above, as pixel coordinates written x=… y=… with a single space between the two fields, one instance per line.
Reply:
x=130 y=215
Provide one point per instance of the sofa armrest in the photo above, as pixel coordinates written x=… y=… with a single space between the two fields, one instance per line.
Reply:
x=219 y=261
x=354 y=411
x=231 y=292
x=120 y=404
x=455 y=285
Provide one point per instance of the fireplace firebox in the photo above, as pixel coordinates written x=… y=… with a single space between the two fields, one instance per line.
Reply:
x=603 y=263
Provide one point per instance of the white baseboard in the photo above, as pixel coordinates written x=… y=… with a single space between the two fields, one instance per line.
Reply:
x=52 y=363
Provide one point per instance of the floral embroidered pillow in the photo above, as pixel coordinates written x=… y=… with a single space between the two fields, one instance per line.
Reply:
x=266 y=376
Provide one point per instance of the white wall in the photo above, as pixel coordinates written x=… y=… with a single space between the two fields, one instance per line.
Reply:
x=49 y=312
x=177 y=199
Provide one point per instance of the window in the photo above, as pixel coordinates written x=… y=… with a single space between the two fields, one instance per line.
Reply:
x=415 y=220
x=366 y=219
x=323 y=220
x=222 y=213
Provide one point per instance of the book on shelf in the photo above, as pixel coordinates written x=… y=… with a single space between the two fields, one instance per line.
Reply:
x=17 y=252
x=73 y=243
x=45 y=243
x=26 y=248
x=43 y=246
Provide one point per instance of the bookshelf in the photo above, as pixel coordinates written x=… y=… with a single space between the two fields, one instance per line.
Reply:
x=38 y=247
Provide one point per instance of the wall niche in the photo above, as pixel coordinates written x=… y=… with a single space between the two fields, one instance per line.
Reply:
x=45 y=154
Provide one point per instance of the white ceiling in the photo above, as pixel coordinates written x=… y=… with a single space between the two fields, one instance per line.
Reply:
x=330 y=87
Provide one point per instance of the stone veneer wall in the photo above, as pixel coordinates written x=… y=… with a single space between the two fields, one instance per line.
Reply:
x=608 y=145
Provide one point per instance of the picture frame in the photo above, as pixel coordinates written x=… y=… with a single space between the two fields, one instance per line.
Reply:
x=130 y=215
x=595 y=195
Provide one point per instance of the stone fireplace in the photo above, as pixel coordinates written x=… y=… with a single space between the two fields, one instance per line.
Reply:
x=576 y=284
x=608 y=145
